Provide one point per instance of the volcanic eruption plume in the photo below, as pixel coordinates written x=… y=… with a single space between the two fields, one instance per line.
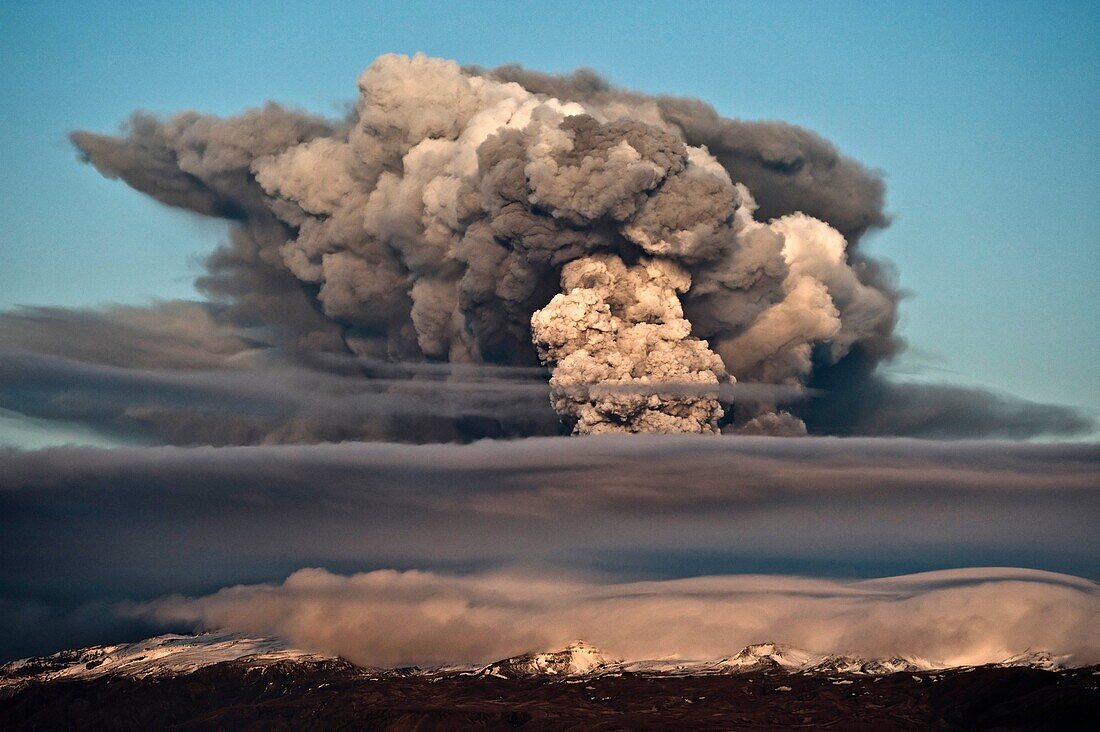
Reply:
x=504 y=217
x=621 y=326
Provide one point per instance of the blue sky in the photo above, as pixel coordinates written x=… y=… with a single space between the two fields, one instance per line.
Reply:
x=984 y=117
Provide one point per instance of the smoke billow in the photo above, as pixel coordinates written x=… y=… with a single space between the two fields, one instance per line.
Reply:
x=650 y=239
x=622 y=326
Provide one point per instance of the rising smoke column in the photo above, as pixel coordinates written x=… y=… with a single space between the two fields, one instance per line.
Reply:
x=616 y=336
x=453 y=204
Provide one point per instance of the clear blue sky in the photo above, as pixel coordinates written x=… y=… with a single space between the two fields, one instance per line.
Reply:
x=984 y=116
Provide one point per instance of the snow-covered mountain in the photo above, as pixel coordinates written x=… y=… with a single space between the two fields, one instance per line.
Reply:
x=580 y=659
x=170 y=655
x=780 y=657
x=1036 y=659
x=576 y=659
x=845 y=664
x=164 y=655
x=768 y=657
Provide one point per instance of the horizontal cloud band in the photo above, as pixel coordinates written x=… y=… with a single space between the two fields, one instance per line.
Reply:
x=602 y=471
x=545 y=499
x=392 y=618
x=174 y=373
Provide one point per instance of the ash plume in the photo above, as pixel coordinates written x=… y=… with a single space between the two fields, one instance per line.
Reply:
x=619 y=326
x=650 y=239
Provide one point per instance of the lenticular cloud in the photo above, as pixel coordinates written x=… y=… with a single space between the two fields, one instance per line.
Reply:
x=504 y=217
x=386 y=617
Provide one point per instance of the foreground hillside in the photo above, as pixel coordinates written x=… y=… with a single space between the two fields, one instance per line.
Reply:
x=337 y=695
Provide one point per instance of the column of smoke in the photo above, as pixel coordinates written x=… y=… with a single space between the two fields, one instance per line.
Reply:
x=498 y=217
x=623 y=351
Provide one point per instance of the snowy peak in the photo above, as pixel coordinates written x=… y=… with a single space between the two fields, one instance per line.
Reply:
x=1036 y=659
x=576 y=659
x=582 y=659
x=789 y=659
x=768 y=657
x=874 y=667
x=163 y=655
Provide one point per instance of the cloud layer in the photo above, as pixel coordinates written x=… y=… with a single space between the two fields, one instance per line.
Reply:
x=183 y=373
x=82 y=525
x=390 y=618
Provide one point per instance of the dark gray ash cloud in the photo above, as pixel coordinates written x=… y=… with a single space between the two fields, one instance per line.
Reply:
x=788 y=168
x=436 y=220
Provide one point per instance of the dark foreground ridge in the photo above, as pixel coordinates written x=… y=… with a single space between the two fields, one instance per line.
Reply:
x=335 y=694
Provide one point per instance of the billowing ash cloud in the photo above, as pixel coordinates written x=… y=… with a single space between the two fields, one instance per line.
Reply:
x=788 y=168
x=388 y=618
x=623 y=326
x=453 y=204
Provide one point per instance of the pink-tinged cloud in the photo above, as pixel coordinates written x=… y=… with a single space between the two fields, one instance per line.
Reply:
x=386 y=618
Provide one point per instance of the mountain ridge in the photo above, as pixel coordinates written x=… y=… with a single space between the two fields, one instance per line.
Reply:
x=176 y=654
x=217 y=681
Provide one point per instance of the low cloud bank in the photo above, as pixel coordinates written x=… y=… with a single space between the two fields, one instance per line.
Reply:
x=392 y=618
